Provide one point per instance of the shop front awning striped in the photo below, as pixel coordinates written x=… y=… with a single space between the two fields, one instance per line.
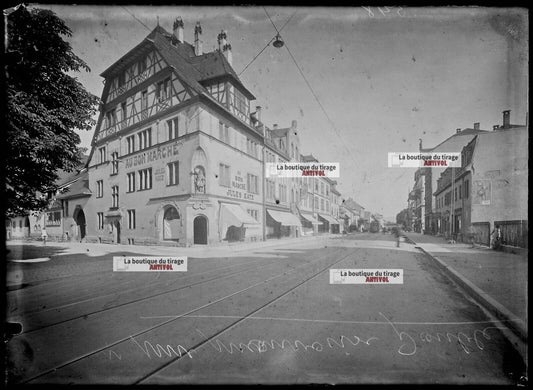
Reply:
x=286 y=219
x=328 y=218
x=233 y=214
x=310 y=218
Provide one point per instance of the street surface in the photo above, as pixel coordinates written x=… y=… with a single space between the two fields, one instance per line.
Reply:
x=266 y=315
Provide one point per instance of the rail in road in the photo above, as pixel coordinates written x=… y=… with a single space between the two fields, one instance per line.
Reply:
x=174 y=328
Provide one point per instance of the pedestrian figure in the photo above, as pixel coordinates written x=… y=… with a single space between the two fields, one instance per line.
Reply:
x=496 y=238
x=398 y=233
x=472 y=235
x=44 y=235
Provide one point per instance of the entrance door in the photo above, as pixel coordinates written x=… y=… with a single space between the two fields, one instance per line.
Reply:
x=117 y=232
x=80 y=222
x=200 y=230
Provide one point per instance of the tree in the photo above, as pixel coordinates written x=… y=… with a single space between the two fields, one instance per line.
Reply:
x=45 y=105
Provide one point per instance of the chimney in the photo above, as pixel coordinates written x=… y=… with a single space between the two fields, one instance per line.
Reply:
x=506 y=119
x=420 y=144
x=258 y=113
x=476 y=126
x=197 y=41
x=178 y=29
x=221 y=40
x=457 y=131
x=275 y=126
x=226 y=49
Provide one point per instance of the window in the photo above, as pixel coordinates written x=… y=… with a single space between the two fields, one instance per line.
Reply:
x=145 y=139
x=321 y=188
x=111 y=117
x=460 y=191
x=114 y=196
x=163 y=89
x=145 y=179
x=99 y=188
x=131 y=143
x=144 y=100
x=142 y=65
x=173 y=126
x=114 y=163
x=455 y=194
x=124 y=110
x=270 y=189
x=102 y=154
x=131 y=219
x=327 y=206
x=467 y=192
x=253 y=213
x=322 y=204
x=173 y=174
x=100 y=217
x=316 y=186
x=283 y=193
x=327 y=190
x=223 y=131
x=65 y=208
x=131 y=181
x=252 y=184
x=224 y=175
x=316 y=202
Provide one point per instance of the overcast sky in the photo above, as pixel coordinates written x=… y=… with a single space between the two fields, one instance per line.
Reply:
x=385 y=79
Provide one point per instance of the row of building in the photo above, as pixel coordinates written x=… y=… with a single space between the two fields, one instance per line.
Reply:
x=178 y=157
x=489 y=189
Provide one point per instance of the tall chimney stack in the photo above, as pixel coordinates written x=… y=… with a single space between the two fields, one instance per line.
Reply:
x=476 y=126
x=178 y=29
x=275 y=126
x=258 y=113
x=221 y=40
x=457 y=131
x=226 y=49
x=506 y=119
x=198 y=50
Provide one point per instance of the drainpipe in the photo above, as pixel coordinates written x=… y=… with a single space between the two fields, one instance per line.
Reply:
x=263 y=190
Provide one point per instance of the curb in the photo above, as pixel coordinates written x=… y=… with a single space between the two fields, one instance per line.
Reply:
x=518 y=327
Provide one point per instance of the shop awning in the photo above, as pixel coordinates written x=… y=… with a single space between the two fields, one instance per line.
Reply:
x=310 y=218
x=329 y=219
x=233 y=214
x=287 y=219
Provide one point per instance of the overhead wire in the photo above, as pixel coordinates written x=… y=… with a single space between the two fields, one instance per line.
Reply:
x=269 y=42
x=315 y=96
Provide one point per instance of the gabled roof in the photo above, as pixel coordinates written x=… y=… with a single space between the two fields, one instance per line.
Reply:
x=191 y=68
x=467 y=131
x=77 y=188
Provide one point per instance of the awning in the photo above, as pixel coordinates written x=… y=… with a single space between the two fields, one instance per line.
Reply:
x=310 y=218
x=233 y=214
x=329 y=219
x=287 y=219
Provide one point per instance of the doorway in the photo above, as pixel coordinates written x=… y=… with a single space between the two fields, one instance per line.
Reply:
x=200 y=230
x=116 y=230
x=81 y=224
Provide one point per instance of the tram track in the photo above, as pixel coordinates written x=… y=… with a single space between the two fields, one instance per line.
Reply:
x=127 y=338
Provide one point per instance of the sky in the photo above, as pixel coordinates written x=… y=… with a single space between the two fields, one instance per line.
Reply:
x=376 y=79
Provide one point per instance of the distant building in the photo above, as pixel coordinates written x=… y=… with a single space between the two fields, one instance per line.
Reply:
x=490 y=188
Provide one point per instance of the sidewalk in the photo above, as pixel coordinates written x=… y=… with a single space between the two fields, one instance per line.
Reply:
x=28 y=250
x=497 y=280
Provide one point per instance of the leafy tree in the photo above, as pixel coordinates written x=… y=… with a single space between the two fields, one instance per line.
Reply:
x=45 y=105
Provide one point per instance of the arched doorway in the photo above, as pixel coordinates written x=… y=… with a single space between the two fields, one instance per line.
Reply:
x=200 y=230
x=80 y=223
x=171 y=224
x=116 y=231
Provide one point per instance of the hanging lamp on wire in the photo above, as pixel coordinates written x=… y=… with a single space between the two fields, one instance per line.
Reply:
x=278 y=42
